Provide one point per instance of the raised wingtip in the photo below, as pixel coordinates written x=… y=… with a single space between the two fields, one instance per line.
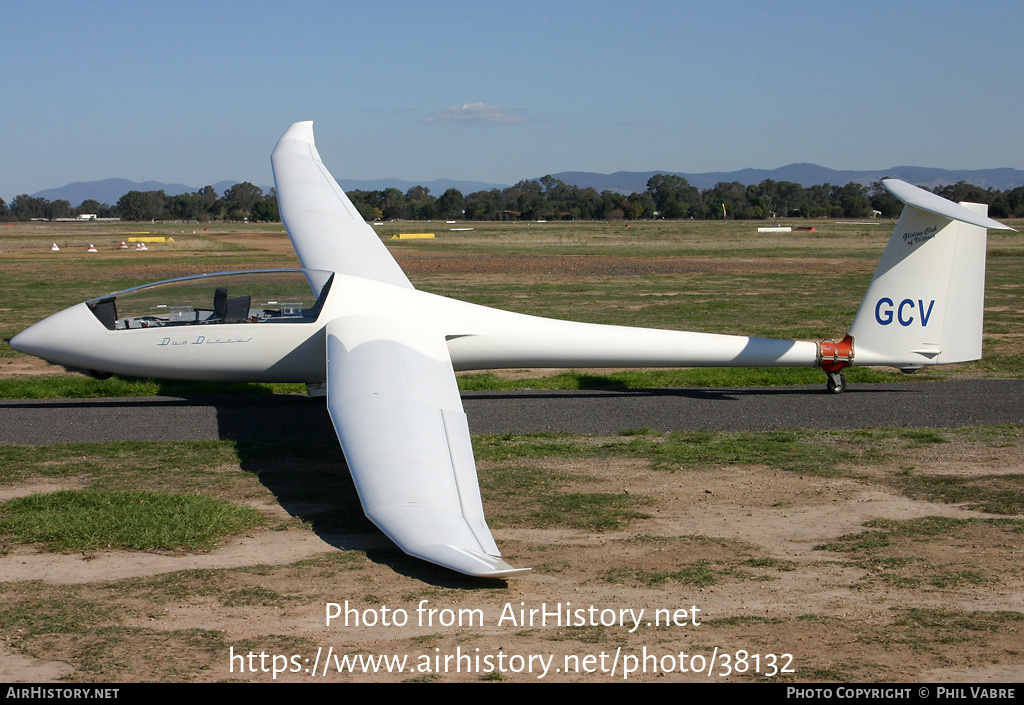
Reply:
x=297 y=140
x=301 y=131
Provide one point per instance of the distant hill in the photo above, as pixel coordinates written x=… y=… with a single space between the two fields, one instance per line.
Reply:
x=437 y=186
x=804 y=174
x=110 y=190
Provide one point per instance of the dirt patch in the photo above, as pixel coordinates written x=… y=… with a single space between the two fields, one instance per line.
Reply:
x=747 y=560
x=27 y=366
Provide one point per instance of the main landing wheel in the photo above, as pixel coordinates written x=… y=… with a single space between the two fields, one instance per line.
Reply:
x=836 y=383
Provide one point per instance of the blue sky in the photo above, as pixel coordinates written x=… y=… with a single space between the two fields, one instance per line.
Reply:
x=198 y=92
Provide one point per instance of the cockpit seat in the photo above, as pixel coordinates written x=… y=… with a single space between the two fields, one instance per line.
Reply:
x=236 y=310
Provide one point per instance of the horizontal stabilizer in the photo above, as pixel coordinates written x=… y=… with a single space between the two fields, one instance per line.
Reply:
x=932 y=203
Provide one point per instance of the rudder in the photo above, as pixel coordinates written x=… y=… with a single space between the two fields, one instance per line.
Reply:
x=925 y=304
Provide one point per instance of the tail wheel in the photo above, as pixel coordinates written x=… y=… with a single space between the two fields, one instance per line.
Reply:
x=836 y=383
x=833 y=357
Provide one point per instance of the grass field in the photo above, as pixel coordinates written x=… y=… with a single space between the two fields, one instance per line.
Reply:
x=868 y=556
x=706 y=276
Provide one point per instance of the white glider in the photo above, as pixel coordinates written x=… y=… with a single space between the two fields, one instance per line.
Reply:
x=351 y=322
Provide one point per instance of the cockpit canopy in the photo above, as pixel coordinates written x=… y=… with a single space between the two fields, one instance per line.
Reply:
x=255 y=296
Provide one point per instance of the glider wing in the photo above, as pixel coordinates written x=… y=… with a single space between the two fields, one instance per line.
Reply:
x=326 y=229
x=395 y=405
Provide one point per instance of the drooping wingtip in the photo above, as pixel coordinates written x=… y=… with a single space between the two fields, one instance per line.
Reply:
x=434 y=534
x=932 y=203
x=466 y=561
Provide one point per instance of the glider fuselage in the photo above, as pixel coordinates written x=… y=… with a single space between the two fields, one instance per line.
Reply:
x=177 y=342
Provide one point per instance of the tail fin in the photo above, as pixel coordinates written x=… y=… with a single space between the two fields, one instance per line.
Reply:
x=925 y=304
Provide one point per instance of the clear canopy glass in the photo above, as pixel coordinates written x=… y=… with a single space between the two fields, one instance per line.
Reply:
x=254 y=296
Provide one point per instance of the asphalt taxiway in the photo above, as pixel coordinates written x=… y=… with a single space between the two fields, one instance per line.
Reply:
x=945 y=404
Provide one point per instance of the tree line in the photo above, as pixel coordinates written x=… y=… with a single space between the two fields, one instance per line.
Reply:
x=240 y=202
x=667 y=196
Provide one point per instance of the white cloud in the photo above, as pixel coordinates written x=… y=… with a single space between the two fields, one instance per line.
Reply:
x=477 y=113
